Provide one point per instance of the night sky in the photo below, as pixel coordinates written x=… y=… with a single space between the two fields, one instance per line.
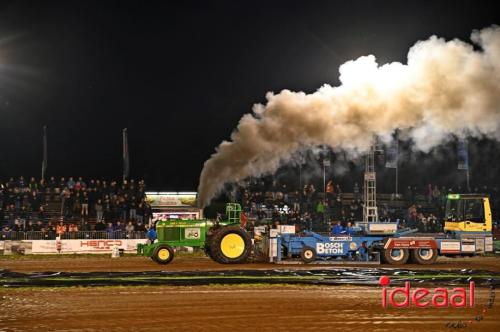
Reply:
x=179 y=75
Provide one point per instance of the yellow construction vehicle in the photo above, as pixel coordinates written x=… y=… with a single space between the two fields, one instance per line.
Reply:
x=468 y=213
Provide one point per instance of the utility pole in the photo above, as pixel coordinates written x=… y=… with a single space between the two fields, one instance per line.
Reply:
x=300 y=174
x=326 y=163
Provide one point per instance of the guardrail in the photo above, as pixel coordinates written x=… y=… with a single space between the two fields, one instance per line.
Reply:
x=19 y=236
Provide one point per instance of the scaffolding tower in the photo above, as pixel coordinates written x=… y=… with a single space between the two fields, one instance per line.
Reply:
x=370 y=211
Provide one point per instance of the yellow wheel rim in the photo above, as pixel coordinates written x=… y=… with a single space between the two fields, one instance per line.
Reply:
x=163 y=254
x=232 y=245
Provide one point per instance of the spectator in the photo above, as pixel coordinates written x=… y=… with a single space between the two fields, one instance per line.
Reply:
x=436 y=194
x=50 y=230
x=38 y=227
x=6 y=233
x=148 y=213
x=35 y=205
x=72 y=230
x=429 y=193
x=99 y=210
x=62 y=183
x=363 y=252
x=339 y=190
x=296 y=201
x=77 y=203
x=21 y=183
x=61 y=228
x=86 y=227
x=32 y=185
x=129 y=229
x=100 y=226
x=140 y=227
x=123 y=206
x=337 y=229
x=66 y=203
x=110 y=230
x=82 y=183
x=348 y=229
x=151 y=234
x=140 y=213
x=320 y=208
x=23 y=215
x=119 y=226
x=51 y=184
x=18 y=226
x=421 y=223
x=133 y=208
x=408 y=195
x=71 y=183
x=412 y=216
x=85 y=204
x=330 y=190
x=30 y=227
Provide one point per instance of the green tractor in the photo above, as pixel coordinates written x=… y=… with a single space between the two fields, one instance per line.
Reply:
x=226 y=242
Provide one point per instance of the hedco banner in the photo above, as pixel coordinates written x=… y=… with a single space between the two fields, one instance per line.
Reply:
x=83 y=246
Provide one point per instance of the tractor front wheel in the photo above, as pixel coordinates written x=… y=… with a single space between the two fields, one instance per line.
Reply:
x=163 y=254
x=230 y=245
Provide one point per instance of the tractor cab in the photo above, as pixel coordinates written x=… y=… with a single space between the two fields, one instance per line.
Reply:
x=468 y=213
x=233 y=213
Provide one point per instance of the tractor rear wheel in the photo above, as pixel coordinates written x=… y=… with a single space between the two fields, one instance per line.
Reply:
x=395 y=256
x=230 y=245
x=163 y=254
x=308 y=254
x=424 y=256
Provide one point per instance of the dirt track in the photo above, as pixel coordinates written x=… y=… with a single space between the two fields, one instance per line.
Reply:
x=221 y=307
x=74 y=263
x=224 y=308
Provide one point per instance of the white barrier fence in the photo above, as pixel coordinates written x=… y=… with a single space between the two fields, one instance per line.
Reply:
x=83 y=246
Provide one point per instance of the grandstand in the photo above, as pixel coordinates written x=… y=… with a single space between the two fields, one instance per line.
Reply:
x=72 y=209
x=39 y=210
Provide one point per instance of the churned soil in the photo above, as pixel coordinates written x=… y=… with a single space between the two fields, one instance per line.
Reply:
x=100 y=263
x=227 y=308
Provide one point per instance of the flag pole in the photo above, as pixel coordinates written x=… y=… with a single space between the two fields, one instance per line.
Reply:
x=45 y=153
x=397 y=165
x=126 y=165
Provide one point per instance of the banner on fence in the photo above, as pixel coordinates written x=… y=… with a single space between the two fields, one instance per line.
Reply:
x=84 y=246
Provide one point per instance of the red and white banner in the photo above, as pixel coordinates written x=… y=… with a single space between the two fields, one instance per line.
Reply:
x=410 y=243
x=84 y=246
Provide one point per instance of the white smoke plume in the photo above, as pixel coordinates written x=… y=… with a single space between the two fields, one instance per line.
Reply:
x=446 y=88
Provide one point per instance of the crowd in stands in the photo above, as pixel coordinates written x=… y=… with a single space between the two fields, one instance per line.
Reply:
x=118 y=209
x=310 y=208
x=66 y=206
